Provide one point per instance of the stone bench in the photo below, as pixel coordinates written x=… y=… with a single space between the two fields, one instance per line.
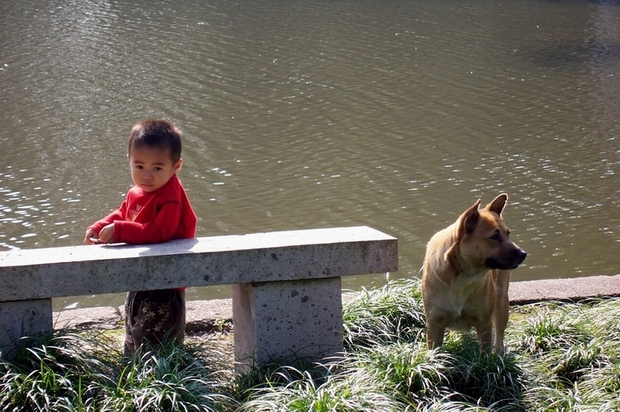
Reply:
x=286 y=285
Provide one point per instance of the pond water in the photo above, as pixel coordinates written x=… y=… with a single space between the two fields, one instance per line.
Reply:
x=394 y=114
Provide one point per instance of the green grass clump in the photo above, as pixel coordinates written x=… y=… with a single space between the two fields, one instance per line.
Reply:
x=570 y=352
x=560 y=357
x=406 y=369
x=391 y=313
x=346 y=391
x=77 y=372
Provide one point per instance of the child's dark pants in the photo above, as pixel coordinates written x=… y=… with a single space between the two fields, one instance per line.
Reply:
x=154 y=317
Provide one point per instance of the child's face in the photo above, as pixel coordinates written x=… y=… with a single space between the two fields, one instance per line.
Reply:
x=151 y=168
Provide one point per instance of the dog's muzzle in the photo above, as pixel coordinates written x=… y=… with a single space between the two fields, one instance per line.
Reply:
x=510 y=262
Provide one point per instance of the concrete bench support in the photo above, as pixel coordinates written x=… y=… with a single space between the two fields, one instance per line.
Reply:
x=286 y=285
x=24 y=318
x=287 y=319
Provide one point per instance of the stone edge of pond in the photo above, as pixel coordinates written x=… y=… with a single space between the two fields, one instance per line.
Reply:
x=564 y=290
x=202 y=314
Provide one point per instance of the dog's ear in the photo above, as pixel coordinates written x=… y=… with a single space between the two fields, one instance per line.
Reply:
x=466 y=223
x=469 y=220
x=498 y=204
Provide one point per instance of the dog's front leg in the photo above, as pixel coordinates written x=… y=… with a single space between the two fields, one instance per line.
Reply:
x=485 y=335
x=501 y=311
x=500 y=320
x=434 y=337
x=435 y=330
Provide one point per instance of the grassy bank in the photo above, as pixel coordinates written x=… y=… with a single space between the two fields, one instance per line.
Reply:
x=559 y=357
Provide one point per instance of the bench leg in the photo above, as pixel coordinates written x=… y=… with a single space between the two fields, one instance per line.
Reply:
x=276 y=320
x=27 y=318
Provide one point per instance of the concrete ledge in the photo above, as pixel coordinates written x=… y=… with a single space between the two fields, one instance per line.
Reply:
x=521 y=293
x=103 y=317
x=199 y=312
x=565 y=290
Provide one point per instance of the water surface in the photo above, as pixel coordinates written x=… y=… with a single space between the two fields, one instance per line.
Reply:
x=303 y=114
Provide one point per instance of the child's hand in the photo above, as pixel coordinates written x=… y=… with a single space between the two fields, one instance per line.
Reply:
x=106 y=235
x=90 y=237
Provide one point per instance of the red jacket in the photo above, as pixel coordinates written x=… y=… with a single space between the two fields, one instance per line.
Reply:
x=155 y=217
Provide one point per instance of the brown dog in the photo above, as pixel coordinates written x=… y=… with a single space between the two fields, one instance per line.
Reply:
x=466 y=274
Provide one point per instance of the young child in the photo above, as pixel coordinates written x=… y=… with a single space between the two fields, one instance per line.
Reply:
x=156 y=209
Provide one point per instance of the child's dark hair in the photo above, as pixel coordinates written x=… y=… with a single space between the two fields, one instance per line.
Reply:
x=156 y=133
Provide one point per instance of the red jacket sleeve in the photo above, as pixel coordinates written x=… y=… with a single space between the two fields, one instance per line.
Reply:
x=118 y=214
x=161 y=229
